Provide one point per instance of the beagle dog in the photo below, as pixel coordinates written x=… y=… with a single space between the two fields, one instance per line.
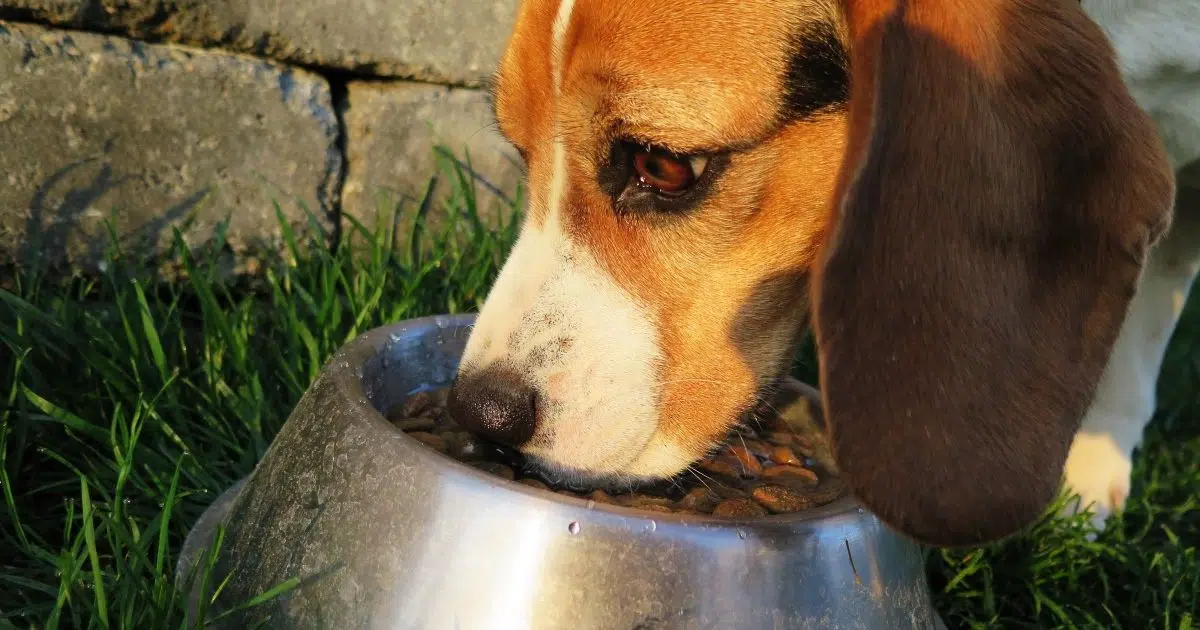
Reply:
x=966 y=201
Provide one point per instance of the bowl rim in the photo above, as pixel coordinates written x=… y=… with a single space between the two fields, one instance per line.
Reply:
x=350 y=385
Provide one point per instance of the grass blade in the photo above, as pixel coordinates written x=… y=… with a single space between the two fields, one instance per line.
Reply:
x=89 y=534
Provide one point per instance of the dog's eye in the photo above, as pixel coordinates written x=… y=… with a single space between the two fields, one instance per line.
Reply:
x=665 y=173
x=645 y=179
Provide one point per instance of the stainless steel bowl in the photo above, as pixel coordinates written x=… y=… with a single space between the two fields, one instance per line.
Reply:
x=384 y=533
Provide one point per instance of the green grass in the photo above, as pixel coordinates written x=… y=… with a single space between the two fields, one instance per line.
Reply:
x=1140 y=573
x=128 y=404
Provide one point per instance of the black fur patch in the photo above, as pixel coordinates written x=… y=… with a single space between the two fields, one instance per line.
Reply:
x=818 y=74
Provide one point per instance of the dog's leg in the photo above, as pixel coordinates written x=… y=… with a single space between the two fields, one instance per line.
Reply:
x=1101 y=458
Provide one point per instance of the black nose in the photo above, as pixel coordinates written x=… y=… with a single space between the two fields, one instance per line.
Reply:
x=495 y=403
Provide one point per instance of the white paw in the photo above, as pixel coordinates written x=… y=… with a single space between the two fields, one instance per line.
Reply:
x=1098 y=470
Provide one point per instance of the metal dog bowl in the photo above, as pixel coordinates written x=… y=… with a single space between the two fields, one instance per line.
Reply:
x=384 y=533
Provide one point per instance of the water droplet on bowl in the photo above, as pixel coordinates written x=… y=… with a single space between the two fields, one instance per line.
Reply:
x=573 y=527
x=652 y=526
x=741 y=534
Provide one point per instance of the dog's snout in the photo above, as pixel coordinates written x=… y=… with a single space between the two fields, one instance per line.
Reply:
x=497 y=404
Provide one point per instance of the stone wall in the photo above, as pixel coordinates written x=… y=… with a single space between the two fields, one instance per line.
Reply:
x=162 y=113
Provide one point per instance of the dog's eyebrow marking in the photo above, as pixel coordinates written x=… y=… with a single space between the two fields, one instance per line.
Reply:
x=817 y=77
x=558 y=36
x=558 y=184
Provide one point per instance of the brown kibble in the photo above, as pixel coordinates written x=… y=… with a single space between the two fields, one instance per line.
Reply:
x=720 y=465
x=759 y=448
x=414 y=424
x=791 y=475
x=642 y=501
x=739 y=508
x=826 y=492
x=700 y=499
x=780 y=499
x=728 y=492
x=496 y=469
x=759 y=471
x=428 y=439
x=417 y=404
x=784 y=455
x=600 y=496
x=750 y=468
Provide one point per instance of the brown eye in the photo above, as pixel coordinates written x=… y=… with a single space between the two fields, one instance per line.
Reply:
x=666 y=173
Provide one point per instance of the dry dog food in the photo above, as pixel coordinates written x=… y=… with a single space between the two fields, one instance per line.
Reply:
x=775 y=462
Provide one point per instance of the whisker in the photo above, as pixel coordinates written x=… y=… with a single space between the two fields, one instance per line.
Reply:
x=700 y=478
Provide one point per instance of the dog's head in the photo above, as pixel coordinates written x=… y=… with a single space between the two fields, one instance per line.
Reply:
x=961 y=192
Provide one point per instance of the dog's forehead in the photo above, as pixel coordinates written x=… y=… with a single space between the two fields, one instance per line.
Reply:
x=694 y=74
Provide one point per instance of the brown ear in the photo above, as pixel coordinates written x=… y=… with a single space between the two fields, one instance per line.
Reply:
x=998 y=198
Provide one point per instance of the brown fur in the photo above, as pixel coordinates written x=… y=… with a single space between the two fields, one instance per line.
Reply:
x=763 y=217
x=996 y=190
x=997 y=202
x=523 y=99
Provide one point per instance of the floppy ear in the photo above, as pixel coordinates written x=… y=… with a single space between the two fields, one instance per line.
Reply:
x=998 y=197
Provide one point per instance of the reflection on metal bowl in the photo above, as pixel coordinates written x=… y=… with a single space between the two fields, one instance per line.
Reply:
x=384 y=533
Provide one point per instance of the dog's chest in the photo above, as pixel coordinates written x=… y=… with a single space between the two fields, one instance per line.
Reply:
x=1158 y=44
